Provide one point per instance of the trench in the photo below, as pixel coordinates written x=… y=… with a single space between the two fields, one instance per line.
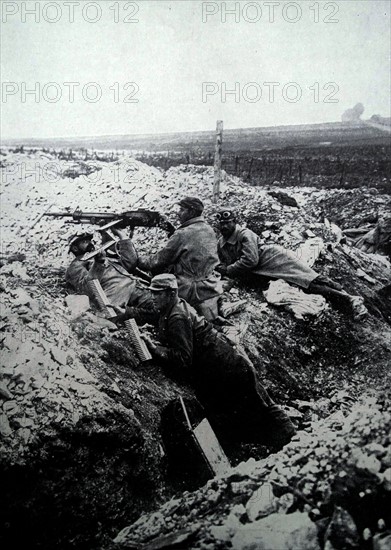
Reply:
x=80 y=487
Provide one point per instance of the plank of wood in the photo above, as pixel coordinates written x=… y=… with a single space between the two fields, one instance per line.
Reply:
x=211 y=448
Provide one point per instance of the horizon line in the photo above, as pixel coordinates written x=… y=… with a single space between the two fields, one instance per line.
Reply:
x=181 y=131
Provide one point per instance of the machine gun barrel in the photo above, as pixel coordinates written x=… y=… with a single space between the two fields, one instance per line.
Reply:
x=132 y=218
x=58 y=214
x=85 y=217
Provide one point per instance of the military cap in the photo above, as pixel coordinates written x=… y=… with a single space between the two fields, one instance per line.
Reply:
x=164 y=281
x=73 y=239
x=192 y=202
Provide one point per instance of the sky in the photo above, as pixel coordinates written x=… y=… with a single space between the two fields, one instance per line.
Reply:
x=168 y=66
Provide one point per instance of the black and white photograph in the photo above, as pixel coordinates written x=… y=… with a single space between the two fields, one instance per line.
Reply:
x=195 y=275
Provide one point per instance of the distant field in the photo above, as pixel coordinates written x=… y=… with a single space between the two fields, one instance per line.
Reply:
x=343 y=155
x=242 y=139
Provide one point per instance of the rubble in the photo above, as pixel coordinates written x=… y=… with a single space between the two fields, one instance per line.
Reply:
x=71 y=390
x=377 y=239
x=43 y=372
x=292 y=498
x=77 y=304
x=294 y=531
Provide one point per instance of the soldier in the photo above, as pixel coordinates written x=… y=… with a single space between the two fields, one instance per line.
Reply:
x=241 y=253
x=225 y=381
x=191 y=255
x=113 y=271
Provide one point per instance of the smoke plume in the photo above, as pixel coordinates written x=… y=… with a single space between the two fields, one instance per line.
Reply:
x=353 y=115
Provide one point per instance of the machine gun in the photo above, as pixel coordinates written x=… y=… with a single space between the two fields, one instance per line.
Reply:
x=109 y=220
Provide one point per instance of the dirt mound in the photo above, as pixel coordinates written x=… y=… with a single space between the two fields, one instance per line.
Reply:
x=328 y=488
x=69 y=418
x=79 y=417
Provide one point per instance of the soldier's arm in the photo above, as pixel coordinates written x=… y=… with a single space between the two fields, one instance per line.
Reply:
x=165 y=257
x=220 y=252
x=177 y=355
x=140 y=315
x=77 y=275
x=249 y=256
x=127 y=253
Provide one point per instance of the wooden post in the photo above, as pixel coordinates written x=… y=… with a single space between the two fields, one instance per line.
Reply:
x=250 y=168
x=236 y=165
x=217 y=164
x=342 y=174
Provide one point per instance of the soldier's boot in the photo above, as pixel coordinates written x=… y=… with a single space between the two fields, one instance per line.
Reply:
x=280 y=428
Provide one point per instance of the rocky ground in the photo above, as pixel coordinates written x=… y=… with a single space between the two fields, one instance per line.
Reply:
x=329 y=488
x=80 y=444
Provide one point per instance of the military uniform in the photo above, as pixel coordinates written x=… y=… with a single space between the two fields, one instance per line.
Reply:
x=224 y=379
x=191 y=255
x=120 y=286
x=243 y=252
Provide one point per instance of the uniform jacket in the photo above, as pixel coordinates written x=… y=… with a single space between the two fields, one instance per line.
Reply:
x=119 y=285
x=191 y=255
x=243 y=252
x=185 y=333
x=181 y=330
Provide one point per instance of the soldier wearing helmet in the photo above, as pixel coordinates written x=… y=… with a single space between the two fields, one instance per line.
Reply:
x=113 y=270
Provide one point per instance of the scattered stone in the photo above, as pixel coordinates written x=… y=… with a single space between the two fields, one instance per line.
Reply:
x=262 y=502
x=285 y=532
x=5 y=429
x=227 y=530
x=59 y=355
x=11 y=407
x=292 y=412
x=366 y=535
x=16 y=269
x=386 y=459
x=285 y=503
x=342 y=531
x=382 y=541
x=375 y=449
x=381 y=524
x=24 y=434
x=169 y=541
x=20 y=297
x=77 y=304
x=23 y=422
x=361 y=273
x=53 y=398
x=101 y=322
x=386 y=476
x=304 y=405
x=284 y=198
x=114 y=386
x=4 y=391
x=370 y=463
